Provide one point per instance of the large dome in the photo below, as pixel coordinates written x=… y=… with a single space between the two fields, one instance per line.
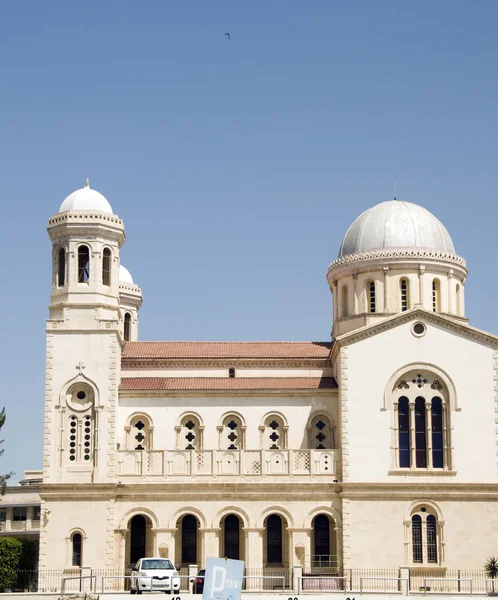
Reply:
x=395 y=224
x=86 y=199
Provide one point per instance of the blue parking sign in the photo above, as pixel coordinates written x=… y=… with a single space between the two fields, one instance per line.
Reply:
x=223 y=580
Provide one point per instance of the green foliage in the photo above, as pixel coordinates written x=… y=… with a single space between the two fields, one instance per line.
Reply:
x=3 y=478
x=491 y=567
x=29 y=556
x=10 y=555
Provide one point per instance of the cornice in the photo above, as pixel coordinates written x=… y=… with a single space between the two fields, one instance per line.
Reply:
x=84 y=217
x=436 y=490
x=398 y=253
x=462 y=329
x=224 y=393
x=224 y=363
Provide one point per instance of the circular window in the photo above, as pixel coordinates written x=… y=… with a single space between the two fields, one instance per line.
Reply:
x=80 y=397
x=419 y=329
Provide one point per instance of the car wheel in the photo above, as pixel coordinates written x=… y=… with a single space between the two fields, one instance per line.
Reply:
x=132 y=591
x=139 y=591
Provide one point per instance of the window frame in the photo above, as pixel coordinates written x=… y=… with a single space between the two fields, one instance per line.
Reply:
x=106 y=267
x=84 y=269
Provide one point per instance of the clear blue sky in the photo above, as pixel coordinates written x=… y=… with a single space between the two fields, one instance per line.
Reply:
x=236 y=165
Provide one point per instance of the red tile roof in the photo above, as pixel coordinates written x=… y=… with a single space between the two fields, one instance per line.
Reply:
x=227 y=383
x=217 y=350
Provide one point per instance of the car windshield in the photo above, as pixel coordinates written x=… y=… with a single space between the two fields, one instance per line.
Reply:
x=157 y=563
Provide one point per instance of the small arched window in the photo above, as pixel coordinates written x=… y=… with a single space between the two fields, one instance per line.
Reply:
x=371 y=296
x=83 y=264
x=77 y=549
x=436 y=295
x=140 y=433
x=106 y=267
x=405 y=293
x=344 y=301
x=127 y=327
x=190 y=434
x=321 y=433
x=274 y=433
x=61 y=276
x=232 y=433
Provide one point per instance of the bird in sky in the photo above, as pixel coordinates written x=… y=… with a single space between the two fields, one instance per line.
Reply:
x=228 y=35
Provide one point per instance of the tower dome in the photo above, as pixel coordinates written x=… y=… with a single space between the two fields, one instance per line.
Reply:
x=86 y=199
x=396 y=224
x=125 y=275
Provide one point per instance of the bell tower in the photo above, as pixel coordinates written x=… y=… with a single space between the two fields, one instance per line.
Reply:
x=84 y=339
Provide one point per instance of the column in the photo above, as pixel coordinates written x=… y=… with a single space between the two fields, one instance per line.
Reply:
x=335 y=291
x=421 y=284
x=165 y=542
x=395 y=438
x=355 y=292
x=211 y=543
x=254 y=556
x=451 y=293
x=387 y=308
x=413 y=456
x=338 y=546
x=428 y=430
x=120 y=545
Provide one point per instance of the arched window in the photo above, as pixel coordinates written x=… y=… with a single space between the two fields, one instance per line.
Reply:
x=321 y=541
x=139 y=433
x=189 y=434
x=106 y=267
x=436 y=295
x=274 y=553
x=232 y=433
x=127 y=327
x=138 y=538
x=61 y=275
x=83 y=264
x=424 y=537
x=231 y=537
x=404 y=285
x=321 y=434
x=189 y=540
x=80 y=433
x=422 y=422
x=371 y=296
x=344 y=301
x=274 y=433
x=77 y=549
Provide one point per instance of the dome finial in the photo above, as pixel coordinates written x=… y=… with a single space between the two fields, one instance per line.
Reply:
x=394 y=187
x=87 y=183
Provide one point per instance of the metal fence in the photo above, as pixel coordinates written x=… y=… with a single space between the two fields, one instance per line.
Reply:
x=449 y=581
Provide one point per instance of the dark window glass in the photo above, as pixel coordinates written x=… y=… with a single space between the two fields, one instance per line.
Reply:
x=138 y=538
x=127 y=327
x=189 y=540
x=417 y=538
x=274 y=539
x=36 y=513
x=3 y=515
x=231 y=372
x=106 y=267
x=321 y=530
x=61 y=280
x=232 y=537
x=19 y=513
x=420 y=433
x=404 y=432
x=83 y=264
x=371 y=291
x=404 y=294
x=77 y=550
x=437 y=433
x=431 y=539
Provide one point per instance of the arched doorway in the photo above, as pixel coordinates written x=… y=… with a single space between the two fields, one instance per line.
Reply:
x=276 y=547
x=231 y=537
x=139 y=539
x=188 y=546
x=324 y=552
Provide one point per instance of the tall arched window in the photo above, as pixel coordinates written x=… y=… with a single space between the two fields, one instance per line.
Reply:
x=436 y=295
x=321 y=434
x=371 y=296
x=83 y=264
x=231 y=537
x=77 y=550
x=404 y=285
x=106 y=267
x=274 y=553
x=80 y=437
x=422 y=422
x=61 y=275
x=189 y=540
x=321 y=541
x=189 y=434
x=127 y=327
x=232 y=433
x=424 y=537
x=274 y=433
x=138 y=538
x=344 y=301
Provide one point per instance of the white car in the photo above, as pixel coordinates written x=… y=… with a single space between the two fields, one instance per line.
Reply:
x=163 y=573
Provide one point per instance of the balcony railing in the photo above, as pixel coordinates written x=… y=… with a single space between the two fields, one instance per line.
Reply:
x=176 y=463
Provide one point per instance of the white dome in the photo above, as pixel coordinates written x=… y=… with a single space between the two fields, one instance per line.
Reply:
x=125 y=275
x=395 y=224
x=86 y=199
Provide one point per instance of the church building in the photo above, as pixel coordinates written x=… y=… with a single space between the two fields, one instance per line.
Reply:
x=378 y=449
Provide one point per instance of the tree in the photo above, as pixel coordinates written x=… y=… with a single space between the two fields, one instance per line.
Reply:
x=10 y=555
x=491 y=567
x=3 y=478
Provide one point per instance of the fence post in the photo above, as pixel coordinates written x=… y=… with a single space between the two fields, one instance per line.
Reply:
x=296 y=578
x=192 y=572
x=404 y=573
